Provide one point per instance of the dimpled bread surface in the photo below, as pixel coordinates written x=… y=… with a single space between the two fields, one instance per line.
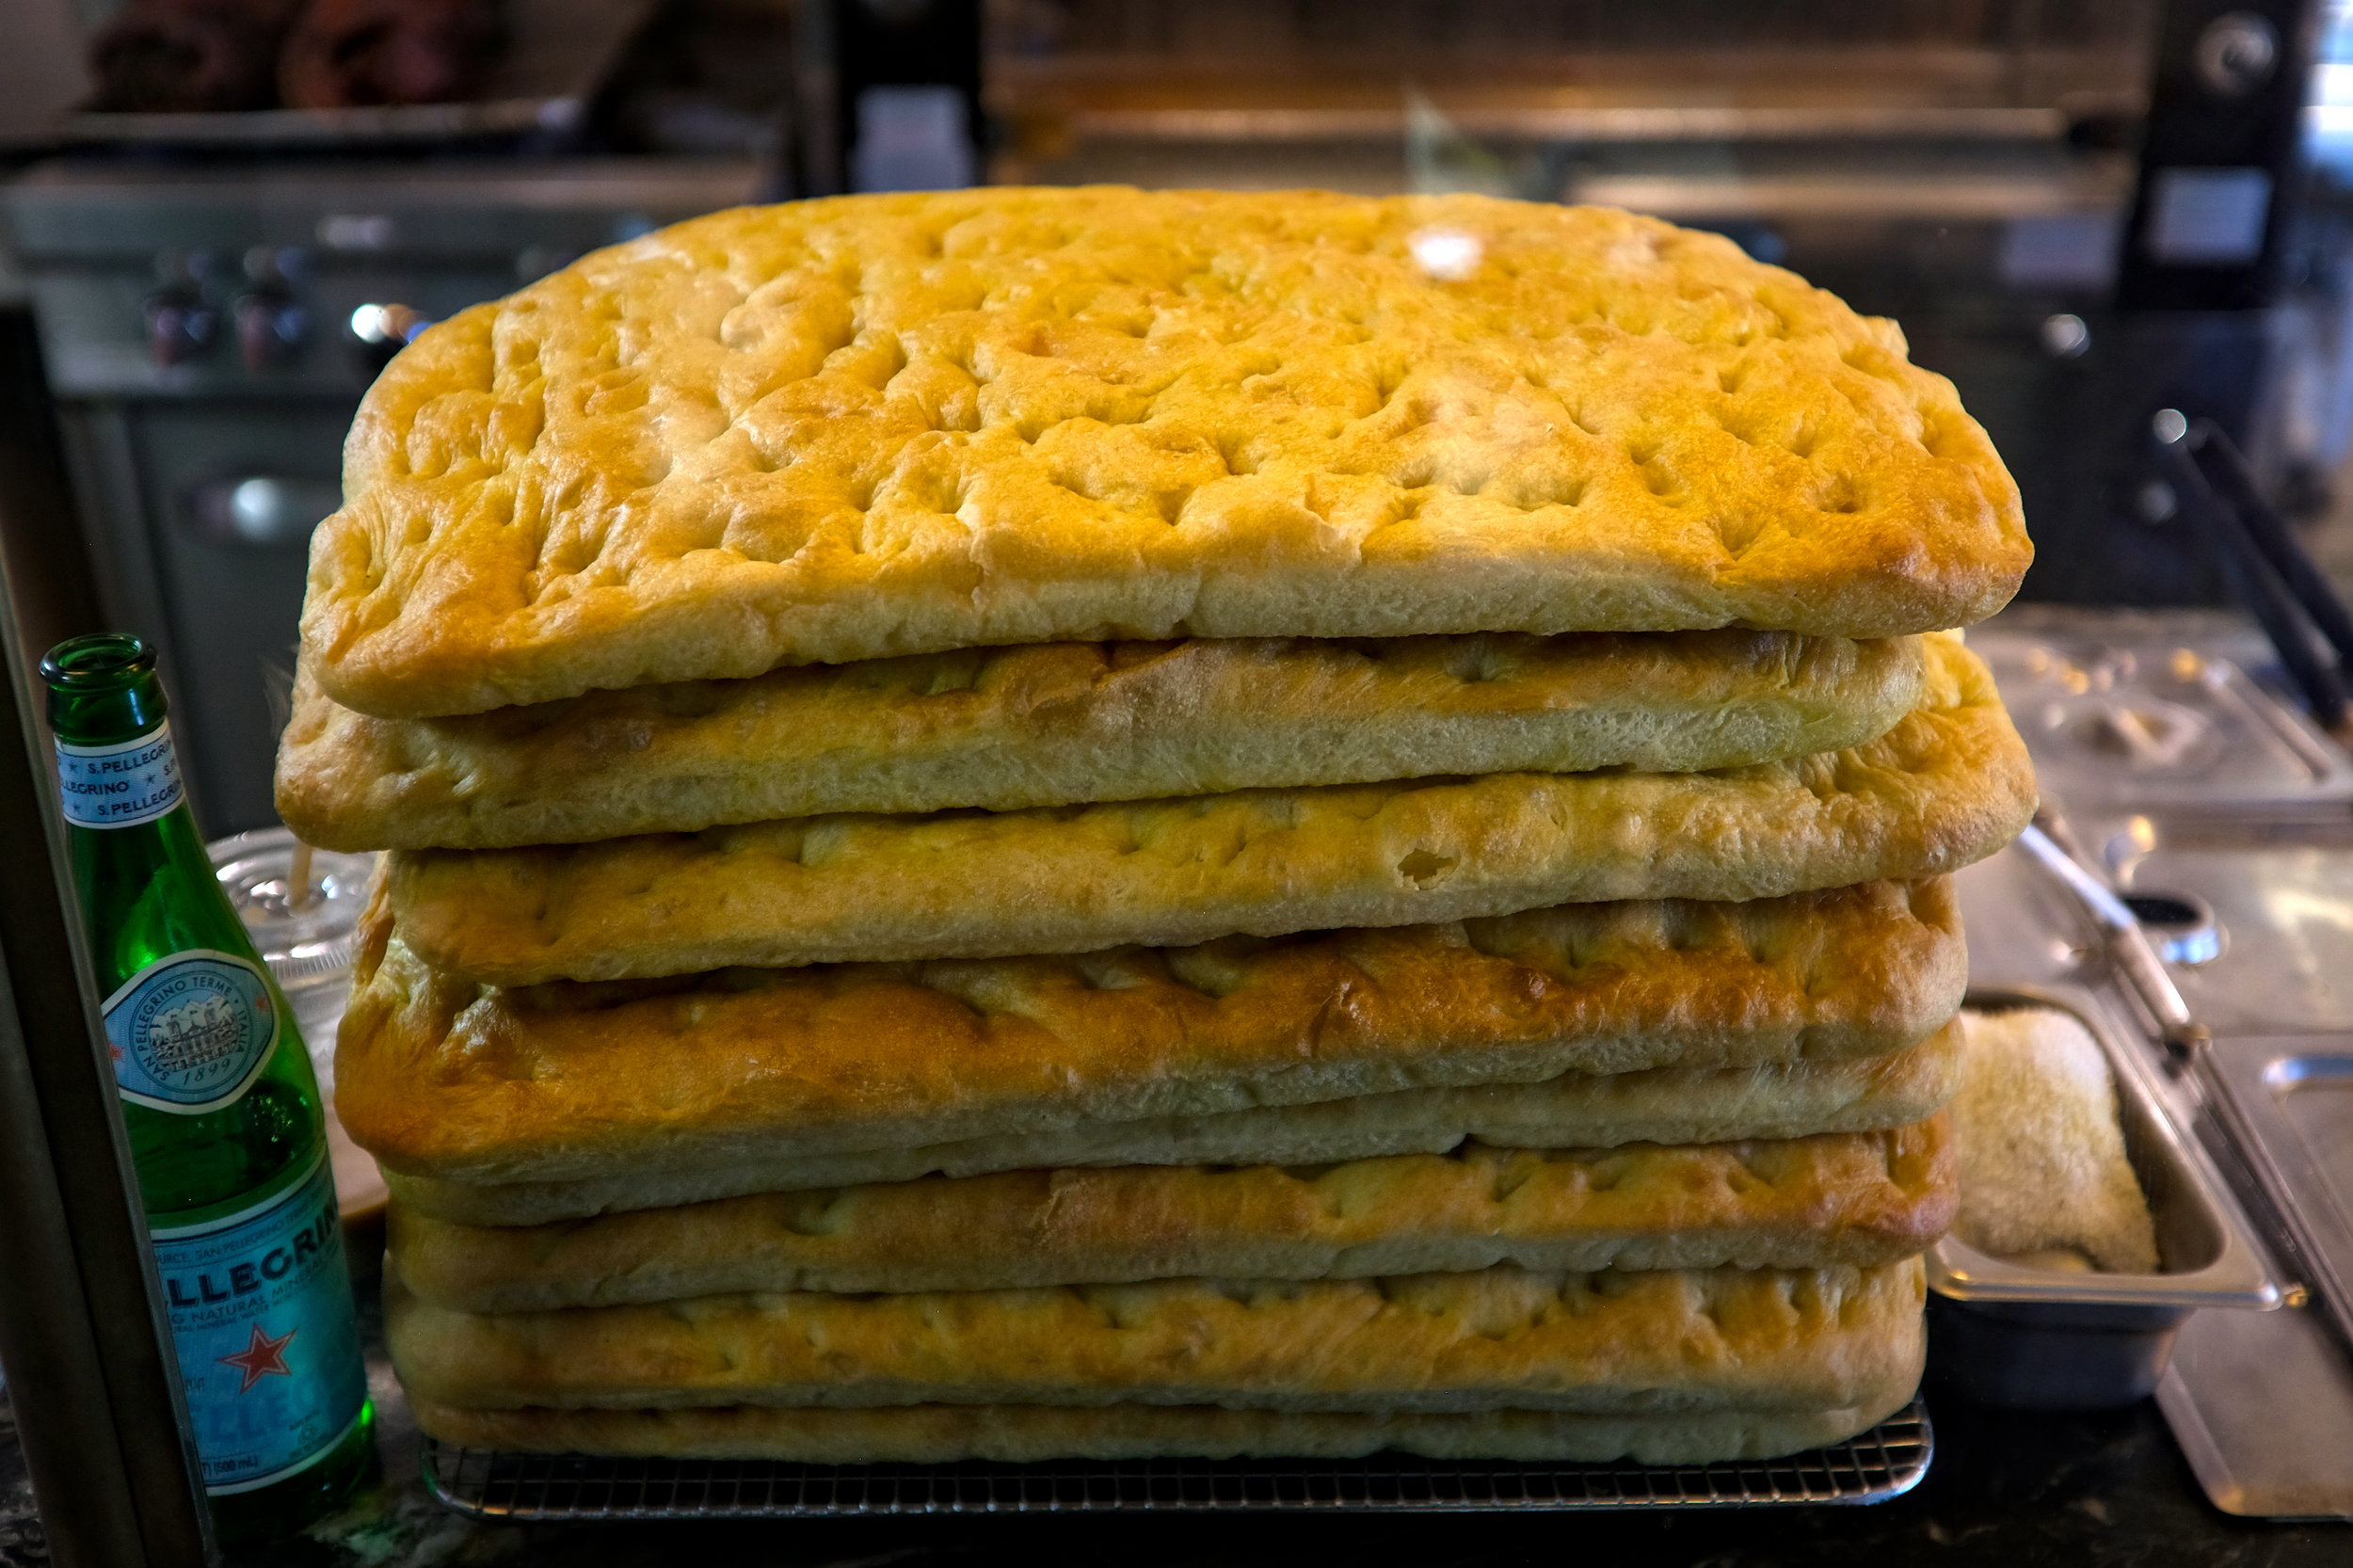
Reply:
x=1057 y=723
x=1832 y=1198
x=1612 y=1342
x=1948 y=785
x=878 y=425
x=443 y=1079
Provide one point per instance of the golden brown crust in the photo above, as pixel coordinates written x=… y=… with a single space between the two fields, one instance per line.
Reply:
x=945 y=1434
x=1009 y=729
x=440 y=1079
x=1606 y=1343
x=1949 y=784
x=1662 y=1105
x=1852 y=1198
x=875 y=425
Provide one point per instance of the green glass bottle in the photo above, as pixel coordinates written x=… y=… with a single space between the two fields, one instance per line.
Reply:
x=223 y=1114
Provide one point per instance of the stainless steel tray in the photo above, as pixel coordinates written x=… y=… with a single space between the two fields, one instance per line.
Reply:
x=2276 y=882
x=1885 y=1462
x=2296 y=1096
x=2262 y=1403
x=2210 y=1258
x=2021 y=924
x=2127 y=716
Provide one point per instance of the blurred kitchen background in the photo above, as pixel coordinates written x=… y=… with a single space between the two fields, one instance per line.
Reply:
x=218 y=218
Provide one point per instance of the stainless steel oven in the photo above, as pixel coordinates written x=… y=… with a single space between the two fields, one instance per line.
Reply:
x=2080 y=210
x=208 y=330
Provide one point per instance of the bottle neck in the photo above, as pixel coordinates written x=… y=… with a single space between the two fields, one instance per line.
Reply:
x=116 y=765
x=119 y=784
x=103 y=690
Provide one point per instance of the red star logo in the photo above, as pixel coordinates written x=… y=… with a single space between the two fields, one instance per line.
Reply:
x=264 y=1356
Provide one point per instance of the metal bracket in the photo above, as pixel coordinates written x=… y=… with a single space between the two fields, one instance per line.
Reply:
x=81 y=1326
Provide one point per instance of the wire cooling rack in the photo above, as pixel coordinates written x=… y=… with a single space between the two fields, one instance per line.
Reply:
x=1883 y=1462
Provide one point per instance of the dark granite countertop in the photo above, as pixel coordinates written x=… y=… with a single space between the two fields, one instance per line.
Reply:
x=2007 y=1490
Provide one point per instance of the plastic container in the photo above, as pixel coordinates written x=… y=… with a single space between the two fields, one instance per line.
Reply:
x=306 y=940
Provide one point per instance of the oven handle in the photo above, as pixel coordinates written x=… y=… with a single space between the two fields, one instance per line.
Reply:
x=259 y=511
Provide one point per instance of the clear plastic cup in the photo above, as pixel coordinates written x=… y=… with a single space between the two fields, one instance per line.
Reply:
x=306 y=935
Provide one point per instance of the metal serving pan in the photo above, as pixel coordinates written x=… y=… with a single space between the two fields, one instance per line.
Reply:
x=2294 y=1093
x=2275 y=882
x=2264 y=1406
x=2004 y=1334
x=2119 y=713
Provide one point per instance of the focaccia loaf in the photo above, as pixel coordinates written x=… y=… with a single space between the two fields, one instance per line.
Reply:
x=886 y=424
x=1606 y=1343
x=1663 y=1104
x=443 y=1079
x=1059 y=723
x=1852 y=1198
x=2039 y=1133
x=1020 y=1435
x=1948 y=784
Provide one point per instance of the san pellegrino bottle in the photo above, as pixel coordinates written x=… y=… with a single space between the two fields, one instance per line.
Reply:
x=223 y=1114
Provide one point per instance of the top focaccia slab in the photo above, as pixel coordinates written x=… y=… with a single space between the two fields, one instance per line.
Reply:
x=878 y=425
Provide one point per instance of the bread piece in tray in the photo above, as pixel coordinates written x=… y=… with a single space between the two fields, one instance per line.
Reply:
x=2037 y=1127
x=944 y=1433
x=886 y=424
x=1948 y=784
x=1058 y=722
x=1614 y=1342
x=1853 y=1198
x=441 y=1079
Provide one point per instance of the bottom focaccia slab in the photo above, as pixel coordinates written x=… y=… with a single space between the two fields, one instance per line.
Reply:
x=946 y=1433
x=1856 y=1198
x=1607 y=1343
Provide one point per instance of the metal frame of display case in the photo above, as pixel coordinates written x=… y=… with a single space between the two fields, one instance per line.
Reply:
x=82 y=1334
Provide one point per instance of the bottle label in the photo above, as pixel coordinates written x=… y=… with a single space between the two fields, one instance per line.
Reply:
x=263 y=1322
x=191 y=1032
x=120 y=785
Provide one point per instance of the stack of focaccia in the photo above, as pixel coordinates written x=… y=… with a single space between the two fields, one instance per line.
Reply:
x=1060 y=824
